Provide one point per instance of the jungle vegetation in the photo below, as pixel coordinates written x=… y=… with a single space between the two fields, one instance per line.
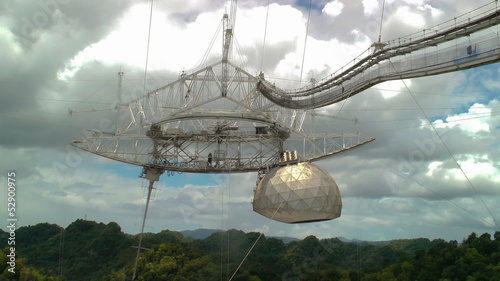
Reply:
x=87 y=250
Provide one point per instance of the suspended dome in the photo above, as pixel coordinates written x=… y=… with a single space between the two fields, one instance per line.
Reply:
x=298 y=193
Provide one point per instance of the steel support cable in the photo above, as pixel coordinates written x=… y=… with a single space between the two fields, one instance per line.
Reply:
x=147 y=48
x=358 y=245
x=447 y=149
x=305 y=44
x=335 y=94
x=232 y=11
x=221 y=236
x=264 y=40
x=93 y=92
x=407 y=109
x=257 y=240
x=64 y=182
x=228 y=224
x=481 y=115
x=361 y=66
x=151 y=183
x=496 y=7
x=38 y=120
x=285 y=98
x=437 y=193
x=210 y=46
x=61 y=253
x=150 y=107
x=239 y=51
x=381 y=20
x=440 y=37
x=412 y=126
x=270 y=221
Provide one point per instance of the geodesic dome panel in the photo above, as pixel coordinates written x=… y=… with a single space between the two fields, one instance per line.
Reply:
x=301 y=192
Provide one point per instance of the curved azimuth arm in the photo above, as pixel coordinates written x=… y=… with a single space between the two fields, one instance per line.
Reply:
x=417 y=56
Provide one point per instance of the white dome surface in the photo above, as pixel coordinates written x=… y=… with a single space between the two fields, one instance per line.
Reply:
x=298 y=193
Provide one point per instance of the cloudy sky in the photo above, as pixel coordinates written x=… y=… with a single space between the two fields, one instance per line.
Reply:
x=62 y=54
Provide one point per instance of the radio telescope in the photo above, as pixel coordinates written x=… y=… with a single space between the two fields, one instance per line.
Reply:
x=223 y=119
x=214 y=120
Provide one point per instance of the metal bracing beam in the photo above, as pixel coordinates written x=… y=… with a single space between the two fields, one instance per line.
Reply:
x=243 y=153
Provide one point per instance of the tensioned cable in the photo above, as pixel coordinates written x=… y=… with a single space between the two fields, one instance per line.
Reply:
x=446 y=146
x=265 y=228
x=437 y=193
x=61 y=253
x=406 y=109
x=381 y=20
x=42 y=121
x=409 y=127
x=419 y=126
x=210 y=46
x=273 y=93
x=228 y=222
x=358 y=256
x=264 y=40
x=425 y=93
x=63 y=182
x=96 y=90
x=478 y=115
x=144 y=88
x=232 y=14
x=471 y=116
x=222 y=236
x=305 y=44
x=370 y=132
x=147 y=47
x=474 y=116
x=322 y=109
x=251 y=248
x=239 y=51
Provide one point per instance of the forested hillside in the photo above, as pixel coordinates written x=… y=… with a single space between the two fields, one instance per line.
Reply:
x=87 y=250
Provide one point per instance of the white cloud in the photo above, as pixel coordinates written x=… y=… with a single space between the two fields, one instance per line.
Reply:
x=284 y=24
x=478 y=166
x=11 y=50
x=434 y=11
x=391 y=89
x=173 y=46
x=475 y=166
x=333 y=8
x=478 y=118
x=370 y=6
x=409 y=17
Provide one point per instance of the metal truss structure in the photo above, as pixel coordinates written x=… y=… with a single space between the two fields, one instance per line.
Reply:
x=222 y=119
x=464 y=42
x=207 y=123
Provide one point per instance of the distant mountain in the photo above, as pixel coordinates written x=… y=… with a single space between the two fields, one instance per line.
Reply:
x=200 y=233
x=286 y=239
x=362 y=242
